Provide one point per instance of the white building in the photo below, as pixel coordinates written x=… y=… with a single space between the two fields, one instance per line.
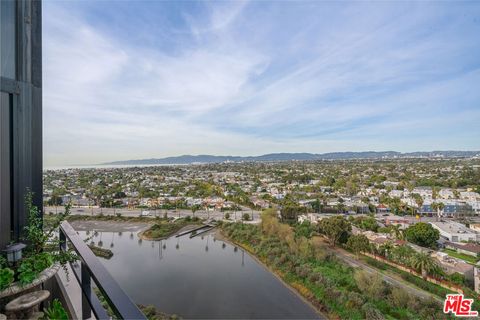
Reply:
x=469 y=195
x=446 y=194
x=312 y=218
x=455 y=232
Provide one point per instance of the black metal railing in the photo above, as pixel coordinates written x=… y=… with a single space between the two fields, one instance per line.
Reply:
x=89 y=268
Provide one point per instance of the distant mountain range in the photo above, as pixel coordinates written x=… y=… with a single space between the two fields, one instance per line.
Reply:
x=190 y=159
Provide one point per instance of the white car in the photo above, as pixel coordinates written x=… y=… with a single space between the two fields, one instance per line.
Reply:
x=145 y=213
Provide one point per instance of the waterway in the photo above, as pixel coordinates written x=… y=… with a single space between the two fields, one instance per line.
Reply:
x=201 y=278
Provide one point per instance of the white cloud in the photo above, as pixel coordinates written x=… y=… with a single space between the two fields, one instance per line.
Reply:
x=252 y=83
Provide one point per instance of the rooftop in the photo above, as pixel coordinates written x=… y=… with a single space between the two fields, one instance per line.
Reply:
x=452 y=227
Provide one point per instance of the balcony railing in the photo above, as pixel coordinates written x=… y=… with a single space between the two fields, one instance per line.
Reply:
x=89 y=268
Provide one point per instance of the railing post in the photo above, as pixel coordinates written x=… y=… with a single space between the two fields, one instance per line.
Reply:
x=87 y=291
x=63 y=240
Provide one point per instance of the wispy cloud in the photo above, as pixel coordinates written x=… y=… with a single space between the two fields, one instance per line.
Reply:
x=258 y=77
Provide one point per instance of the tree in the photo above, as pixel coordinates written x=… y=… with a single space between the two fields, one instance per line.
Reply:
x=55 y=200
x=423 y=262
x=304 y=229
x=290 y=211
x=397 y=232
x=422 y=234
x=418 y=200
x=434 y=207
x=358 y=244
x=334 y=228
x=402 y=254
x=366 y=223
x=194 y=208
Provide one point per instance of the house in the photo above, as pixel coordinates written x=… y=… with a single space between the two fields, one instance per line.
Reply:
x=476 y=278
x=475 y=226
x=471 y=249
x=475 y=205
x=452 y=265
x=310 y=217
x=455 y=232
x=446 y=194
x=381 y=208
x=402 y=222
x=425 y=192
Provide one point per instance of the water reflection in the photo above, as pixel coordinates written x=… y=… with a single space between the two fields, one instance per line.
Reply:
x=202 y=278
x=111 y=242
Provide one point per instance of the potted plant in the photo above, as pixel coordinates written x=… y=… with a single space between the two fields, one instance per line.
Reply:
x=41 y=257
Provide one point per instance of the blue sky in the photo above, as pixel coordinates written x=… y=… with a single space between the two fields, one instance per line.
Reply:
x=142 y=79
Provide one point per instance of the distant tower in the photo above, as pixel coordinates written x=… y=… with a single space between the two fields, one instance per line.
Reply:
x=20 y=113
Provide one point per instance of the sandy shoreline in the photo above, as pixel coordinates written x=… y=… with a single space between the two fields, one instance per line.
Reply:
x=109 y=226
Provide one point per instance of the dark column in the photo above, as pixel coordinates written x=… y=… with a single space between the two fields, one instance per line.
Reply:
x=20 y=114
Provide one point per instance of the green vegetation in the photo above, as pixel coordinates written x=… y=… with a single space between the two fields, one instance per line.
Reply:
x=336 y=229
x=153 y=314
x=419 y=282
x=422 y=234
x=365 y=223
x=358 y=244
x=333 y=287
x=164 y=228
x=42 y=250
x=55 y=311
x=149 y=311
x=101 y=252
x=304 y=229
x=6 y=277
x=466 y=257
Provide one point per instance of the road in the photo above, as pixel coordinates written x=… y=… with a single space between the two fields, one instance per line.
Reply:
x=217 y=215
x=392 y=280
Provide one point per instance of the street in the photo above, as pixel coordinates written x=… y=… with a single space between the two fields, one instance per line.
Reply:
x=179 y=213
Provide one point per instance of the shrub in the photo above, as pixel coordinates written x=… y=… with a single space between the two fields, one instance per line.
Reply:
x=55 y=311
x=246 y=217
x=399 y=297
x=6 y=277
x=370 y=284
x=354 y=300
x=371 y=312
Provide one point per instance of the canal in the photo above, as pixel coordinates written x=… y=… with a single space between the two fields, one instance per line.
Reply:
x=198 y=278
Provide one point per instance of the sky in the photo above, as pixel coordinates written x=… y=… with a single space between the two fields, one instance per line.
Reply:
x=150 y=79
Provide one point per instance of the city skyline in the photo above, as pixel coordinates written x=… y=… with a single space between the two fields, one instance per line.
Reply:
x=157 y=79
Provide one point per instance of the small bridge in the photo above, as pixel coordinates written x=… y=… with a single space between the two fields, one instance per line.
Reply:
x=196 y=231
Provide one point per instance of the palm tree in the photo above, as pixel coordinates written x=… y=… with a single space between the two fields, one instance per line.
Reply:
x=440 y=208
x=419 y=202
x=397 y=232
x=401 y=254
x=434 y=207
x=424 y=262
x=386 y=248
